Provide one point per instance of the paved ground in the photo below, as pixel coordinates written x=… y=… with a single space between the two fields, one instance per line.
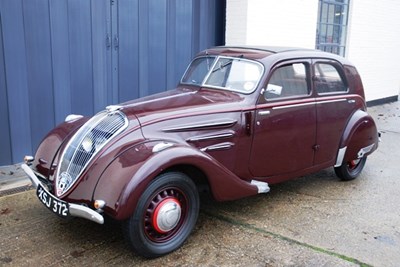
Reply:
x=312 y=221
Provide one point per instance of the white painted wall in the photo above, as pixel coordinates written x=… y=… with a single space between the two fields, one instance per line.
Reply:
x=373 y=41
x=373 y=45
x=272 y=22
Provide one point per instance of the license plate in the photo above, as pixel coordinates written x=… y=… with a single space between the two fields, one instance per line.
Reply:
x=57 y=206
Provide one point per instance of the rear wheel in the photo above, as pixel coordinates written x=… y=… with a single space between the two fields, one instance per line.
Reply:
x=351 y=169
x=165 y=215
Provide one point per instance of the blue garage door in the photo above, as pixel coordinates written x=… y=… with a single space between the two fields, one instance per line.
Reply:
x=77 y=56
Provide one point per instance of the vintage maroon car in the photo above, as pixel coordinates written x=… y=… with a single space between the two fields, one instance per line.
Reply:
x=240 y=119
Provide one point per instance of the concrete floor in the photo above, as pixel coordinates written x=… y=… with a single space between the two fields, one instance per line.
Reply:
x=315 y=220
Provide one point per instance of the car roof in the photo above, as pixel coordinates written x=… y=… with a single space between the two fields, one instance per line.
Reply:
x=263 y=52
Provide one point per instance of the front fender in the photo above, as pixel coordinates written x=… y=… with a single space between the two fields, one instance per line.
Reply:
x=360 y=134
x=125 y=179
x=51 y=144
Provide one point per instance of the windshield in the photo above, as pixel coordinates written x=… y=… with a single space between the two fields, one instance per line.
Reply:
x=235 y=74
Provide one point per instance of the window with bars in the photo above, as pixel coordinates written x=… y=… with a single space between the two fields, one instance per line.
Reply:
x=332 y=26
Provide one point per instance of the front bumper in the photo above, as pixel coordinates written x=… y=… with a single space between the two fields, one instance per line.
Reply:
x=75 y=210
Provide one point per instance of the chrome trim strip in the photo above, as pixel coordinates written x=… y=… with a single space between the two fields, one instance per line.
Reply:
x=221 y=146
x=340 y=156
x=191 y=127
x=264 y=112
x=209 y=137
x=295 y=105
x=72 y=117
x=161 y=146
x=364 y=151
x=261 y=186
x=75 y=210
x=113 y=108
x=331 y=101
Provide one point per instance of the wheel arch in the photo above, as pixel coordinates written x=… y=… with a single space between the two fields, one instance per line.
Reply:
x=136 y=172
x=196 y=174
x=360 y=134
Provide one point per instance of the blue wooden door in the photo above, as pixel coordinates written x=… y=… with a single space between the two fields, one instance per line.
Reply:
x=60 y=57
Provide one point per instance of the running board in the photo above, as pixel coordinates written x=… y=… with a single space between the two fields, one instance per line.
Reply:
x=262 y=186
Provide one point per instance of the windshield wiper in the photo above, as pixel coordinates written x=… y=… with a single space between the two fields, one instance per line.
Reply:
x=223 y=65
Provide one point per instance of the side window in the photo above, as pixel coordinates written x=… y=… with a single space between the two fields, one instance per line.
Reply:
x=288 y=81
x=327 y=79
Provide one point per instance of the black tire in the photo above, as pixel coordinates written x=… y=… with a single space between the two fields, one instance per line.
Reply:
x=350 y=170
x=149 y=231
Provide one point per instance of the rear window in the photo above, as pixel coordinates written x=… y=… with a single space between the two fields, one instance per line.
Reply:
x=328 y=79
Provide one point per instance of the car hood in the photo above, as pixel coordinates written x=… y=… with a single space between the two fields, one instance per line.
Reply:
x=182 y=102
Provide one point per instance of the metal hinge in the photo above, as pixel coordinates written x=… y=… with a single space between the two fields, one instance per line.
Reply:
x=116 y=42
x=108 y=41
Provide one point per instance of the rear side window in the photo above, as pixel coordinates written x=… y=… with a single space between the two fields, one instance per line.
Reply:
x=288 y=81
x=328 y=79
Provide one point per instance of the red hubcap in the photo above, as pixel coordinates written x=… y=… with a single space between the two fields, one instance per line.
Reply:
x=165 y=215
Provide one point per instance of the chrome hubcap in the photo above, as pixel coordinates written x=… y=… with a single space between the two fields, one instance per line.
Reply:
x=167 y=215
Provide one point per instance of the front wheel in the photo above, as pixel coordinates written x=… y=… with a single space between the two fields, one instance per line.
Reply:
x=165 y=215
x=351 y=169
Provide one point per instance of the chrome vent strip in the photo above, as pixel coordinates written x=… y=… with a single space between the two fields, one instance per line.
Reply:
x=199 y=126
x=222 y=146
x=98 y=131
x=210 y=137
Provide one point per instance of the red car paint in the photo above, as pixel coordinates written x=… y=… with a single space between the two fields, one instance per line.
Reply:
x=221 y=138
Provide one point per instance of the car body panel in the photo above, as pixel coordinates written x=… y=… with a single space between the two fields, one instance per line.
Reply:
x=220 y=137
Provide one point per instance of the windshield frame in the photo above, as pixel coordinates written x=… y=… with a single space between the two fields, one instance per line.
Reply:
x=215 y=59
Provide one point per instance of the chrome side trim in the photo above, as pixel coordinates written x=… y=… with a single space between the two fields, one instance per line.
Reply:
x=340 y=156
x=72 y=117
x=294 y=105
x=264 y=112
x=161 y=146
x=222 y=146
x=74 y=209
x=196 y=126
x=209 y=137
x=262 y=186
x=364 y=151
x=113 y=108
x=331 y=101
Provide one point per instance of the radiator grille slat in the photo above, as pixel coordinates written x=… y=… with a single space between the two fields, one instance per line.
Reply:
x=96 y=133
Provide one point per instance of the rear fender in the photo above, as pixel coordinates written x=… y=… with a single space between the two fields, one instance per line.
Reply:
x=125 y=179
x=359 y=139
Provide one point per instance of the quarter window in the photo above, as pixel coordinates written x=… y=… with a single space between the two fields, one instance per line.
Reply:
x=327 y=79
x=288 y=81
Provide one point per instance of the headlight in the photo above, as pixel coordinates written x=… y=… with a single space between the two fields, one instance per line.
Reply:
x=87 y=144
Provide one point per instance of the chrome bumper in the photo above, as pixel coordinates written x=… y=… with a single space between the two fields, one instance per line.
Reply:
x=75 y=210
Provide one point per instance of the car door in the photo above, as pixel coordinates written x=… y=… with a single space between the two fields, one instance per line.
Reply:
x=285 y=122
x=334 y=108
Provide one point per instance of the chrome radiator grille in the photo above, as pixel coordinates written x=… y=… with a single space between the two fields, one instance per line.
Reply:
x=85 y=144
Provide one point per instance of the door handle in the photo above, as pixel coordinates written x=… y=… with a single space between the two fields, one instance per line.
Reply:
x=351 y=101
x=264 y=112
